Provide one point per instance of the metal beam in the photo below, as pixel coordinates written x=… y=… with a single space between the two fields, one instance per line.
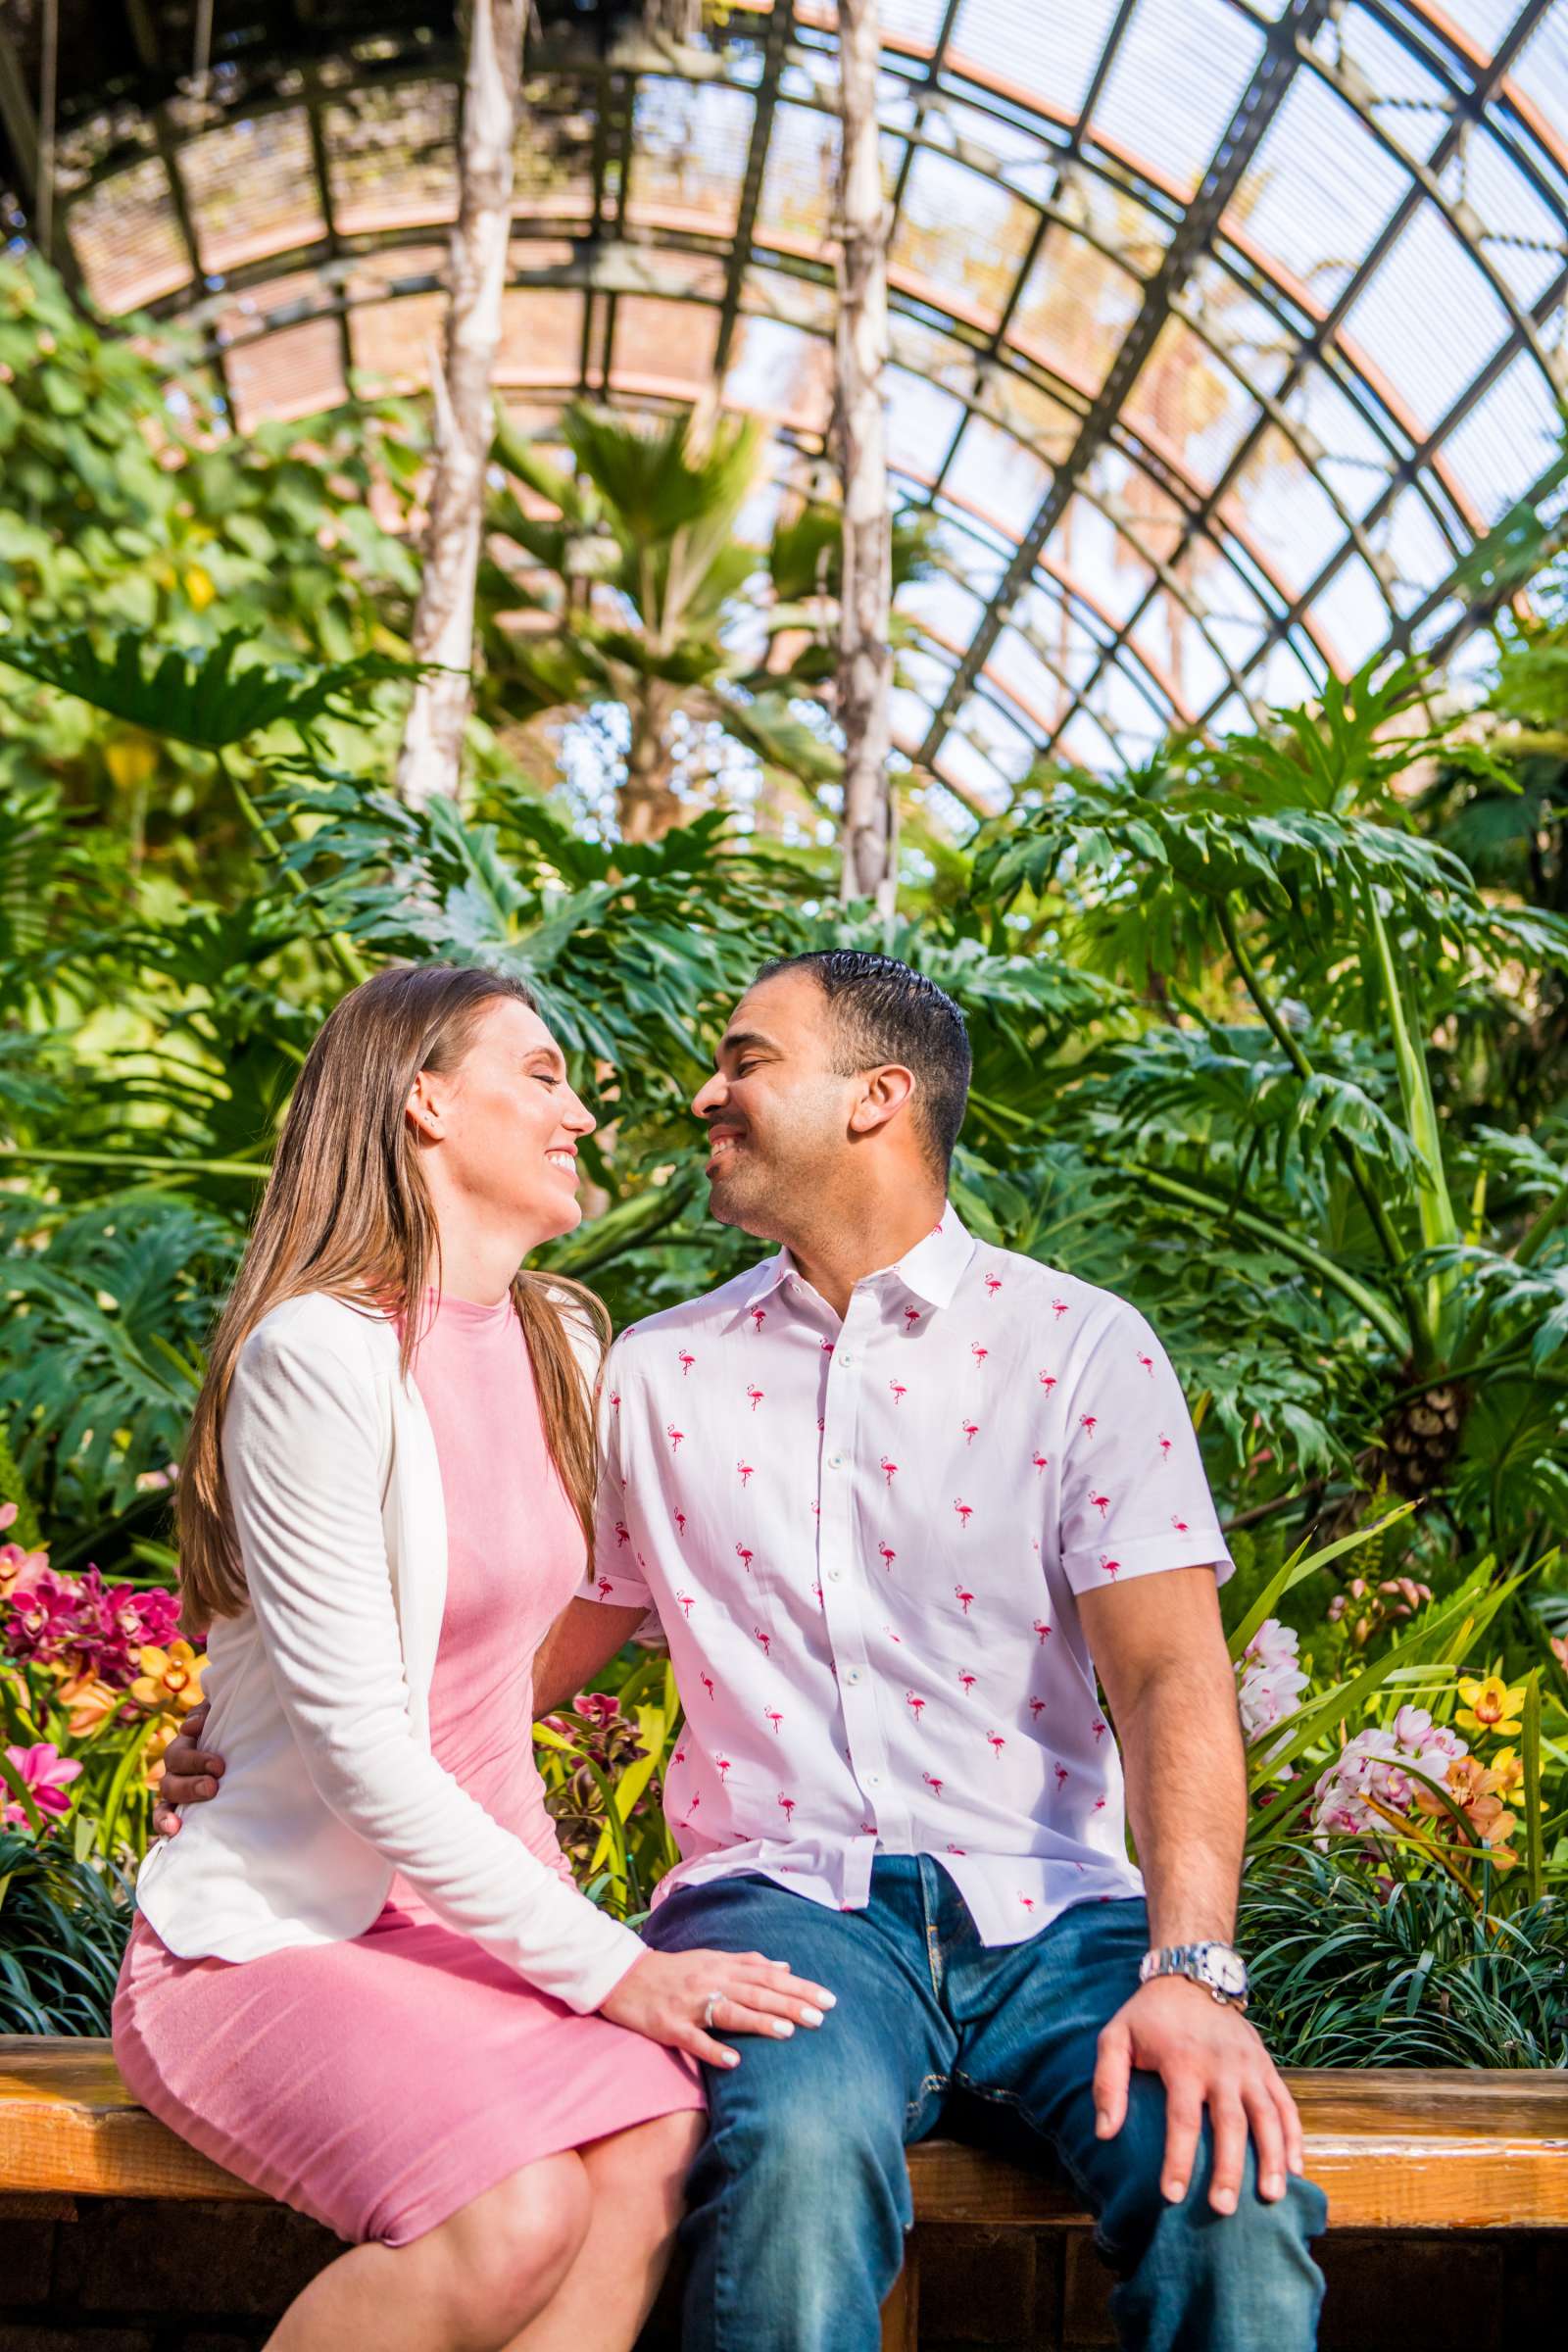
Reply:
x=1260 y=103
x=19 y=117
x=780 y=26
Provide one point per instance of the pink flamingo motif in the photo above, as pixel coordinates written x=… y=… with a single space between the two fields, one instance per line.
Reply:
x=747 y=1471
x=1036 y=1707
x=912 y=1317
x=788 y=1803
x=1148 y=1363
x=977 y=1352
x=971 y=1430
x=914 y=1704
x=1100 y=1804
x=765 y=1639
x=771 y=1715
x=745 y=1555
x=1087 y=1422
x=893 y=1637
x=622 y=1532
x=1164 y=1447
x=827 y=1346
x=1102 y=1503
x=996 y=1743
x=962 y=1597
x=680 y=1524
x=755 y=1394
x=687 y=1359
x=820 y=1602
x=1110 y=1566
x=1041 y=1461
x=679 y=1757
x=889 y=1469
x=724 y=1766
x=707 y=1682
x=958 y=1849
x=1027 y=1900
x=759 y=1315
x=965 y=1511
x=900 y=1391
x=820 y=1426
x=1047 y=1381
x=1041 y=1627
x=688 y=1602
x=934 y=1786
x=889 y=1555
x=1097 y=1726
x=966 y=1681
x=606 y=1587
x=1062 y=1776
x=674 y=1434
x=1058 y=1308
x=1179 y=1525
x=993 y=1284
x=614 y=1401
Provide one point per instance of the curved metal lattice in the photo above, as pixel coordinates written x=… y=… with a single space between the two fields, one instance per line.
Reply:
x=1223 y=329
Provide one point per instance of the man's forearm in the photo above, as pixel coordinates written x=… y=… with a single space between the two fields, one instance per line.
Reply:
x=1187 y=1800
x=581 y=1642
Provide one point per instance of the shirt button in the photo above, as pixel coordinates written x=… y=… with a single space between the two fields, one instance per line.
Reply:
x=873 y=1779
x=835 y=1576
x=843 y=1361
x=834 y=1462
x=851 y=1673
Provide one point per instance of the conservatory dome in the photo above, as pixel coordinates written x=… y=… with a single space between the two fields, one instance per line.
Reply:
x=1225 y=332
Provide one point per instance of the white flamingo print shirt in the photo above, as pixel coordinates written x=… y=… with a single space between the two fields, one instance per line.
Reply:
x=864 y=1541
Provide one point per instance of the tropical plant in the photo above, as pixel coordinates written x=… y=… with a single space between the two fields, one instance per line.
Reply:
x=1283 y=875
x=63 y=1930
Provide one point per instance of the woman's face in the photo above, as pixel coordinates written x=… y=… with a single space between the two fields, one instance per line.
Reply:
x=504 y=1125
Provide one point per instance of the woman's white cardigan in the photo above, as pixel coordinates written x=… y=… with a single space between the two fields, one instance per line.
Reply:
x=320 y=1688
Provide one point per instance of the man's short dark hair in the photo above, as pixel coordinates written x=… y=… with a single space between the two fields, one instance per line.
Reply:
x=885 y=1013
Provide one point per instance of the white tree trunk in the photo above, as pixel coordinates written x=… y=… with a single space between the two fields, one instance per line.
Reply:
x=866 y=657
x=431 y=758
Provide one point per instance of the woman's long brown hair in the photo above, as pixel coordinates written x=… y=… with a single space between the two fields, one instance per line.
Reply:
x=347 y=1210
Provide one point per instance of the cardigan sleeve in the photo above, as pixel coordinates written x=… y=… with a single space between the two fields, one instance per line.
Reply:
x=301 y=1457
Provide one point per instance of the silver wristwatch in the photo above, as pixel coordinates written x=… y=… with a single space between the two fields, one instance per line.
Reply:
x=1218 y=1967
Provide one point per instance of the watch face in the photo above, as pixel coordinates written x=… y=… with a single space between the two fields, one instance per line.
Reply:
x=1227 y=1969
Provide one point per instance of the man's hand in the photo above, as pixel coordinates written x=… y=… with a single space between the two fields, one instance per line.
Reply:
x=190 y=1774
x=1207 y=2055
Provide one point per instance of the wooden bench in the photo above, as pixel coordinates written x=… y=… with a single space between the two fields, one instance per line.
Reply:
x=1450 y=2150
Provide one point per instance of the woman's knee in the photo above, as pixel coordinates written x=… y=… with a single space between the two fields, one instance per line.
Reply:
x=648 y=2164
x=507 y=2253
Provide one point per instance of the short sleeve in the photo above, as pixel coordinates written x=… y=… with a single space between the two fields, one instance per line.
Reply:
x=1133 y=1497
x=614 y=1578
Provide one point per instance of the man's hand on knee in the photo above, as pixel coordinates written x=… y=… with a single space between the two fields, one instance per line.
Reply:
x=1207 y=2055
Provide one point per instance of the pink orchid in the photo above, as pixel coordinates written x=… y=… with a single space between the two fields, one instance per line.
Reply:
x=45 y=1774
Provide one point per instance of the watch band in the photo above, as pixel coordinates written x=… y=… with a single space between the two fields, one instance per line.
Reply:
x=1218 y=1967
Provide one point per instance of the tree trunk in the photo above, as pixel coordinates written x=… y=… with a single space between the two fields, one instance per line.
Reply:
x=648 y=806
x=431 y=758
x=866 y=657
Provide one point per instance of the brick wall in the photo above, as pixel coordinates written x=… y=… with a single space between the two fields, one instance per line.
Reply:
x=121 y=2276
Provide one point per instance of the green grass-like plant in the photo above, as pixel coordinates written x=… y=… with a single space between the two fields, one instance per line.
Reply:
x=63 y=1929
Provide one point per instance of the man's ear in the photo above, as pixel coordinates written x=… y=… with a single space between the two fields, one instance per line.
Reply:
x=883 y=1094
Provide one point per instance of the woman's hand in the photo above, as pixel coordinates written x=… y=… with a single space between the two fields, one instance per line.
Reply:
x=190 y=1774
x=665 y=1995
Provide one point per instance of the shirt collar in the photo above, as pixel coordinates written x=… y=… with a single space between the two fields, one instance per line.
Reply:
x=930 y=1270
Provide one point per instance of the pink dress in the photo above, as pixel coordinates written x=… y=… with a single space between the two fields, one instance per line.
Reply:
x=383 y=2083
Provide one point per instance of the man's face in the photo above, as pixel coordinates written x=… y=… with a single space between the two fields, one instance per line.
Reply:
x=776 y=1112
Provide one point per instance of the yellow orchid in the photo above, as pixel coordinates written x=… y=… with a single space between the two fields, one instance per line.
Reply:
x=88 y=1700
x=1490 y=1705
x=159 y=1738
x=169 y=1679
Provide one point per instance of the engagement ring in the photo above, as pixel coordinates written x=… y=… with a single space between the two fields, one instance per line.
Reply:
x=714 y=2000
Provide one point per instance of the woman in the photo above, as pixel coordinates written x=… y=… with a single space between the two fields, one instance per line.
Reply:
x=365 y=1982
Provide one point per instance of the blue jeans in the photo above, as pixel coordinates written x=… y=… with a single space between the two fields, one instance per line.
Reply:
x=800 y=2198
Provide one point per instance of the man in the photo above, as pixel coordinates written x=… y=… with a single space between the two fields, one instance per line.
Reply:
x=895 y=1496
